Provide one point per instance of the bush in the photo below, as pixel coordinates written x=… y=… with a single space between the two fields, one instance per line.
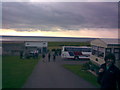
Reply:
x=94 y=67
x=86 y=66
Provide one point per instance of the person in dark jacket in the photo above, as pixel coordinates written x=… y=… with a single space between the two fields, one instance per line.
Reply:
x=49 y=57
x=54 y=57
x=109 y=74
x=43 y=57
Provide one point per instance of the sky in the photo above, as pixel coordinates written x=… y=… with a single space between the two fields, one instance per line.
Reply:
x=91 y=18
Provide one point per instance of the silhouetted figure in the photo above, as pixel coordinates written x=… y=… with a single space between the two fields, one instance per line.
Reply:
x=49 y=57
x=109 y=74
x=43 y=57
x=54 y=57
x=21 y=54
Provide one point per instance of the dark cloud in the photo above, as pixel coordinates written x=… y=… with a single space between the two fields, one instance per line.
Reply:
x=69 y=16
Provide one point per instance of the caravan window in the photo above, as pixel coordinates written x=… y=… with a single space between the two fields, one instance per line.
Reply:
x=108 y=50
x=94 y=52
x=117 y=56
x=101 y=52
x=116 y=50
x=94 y=47
x=117 y=53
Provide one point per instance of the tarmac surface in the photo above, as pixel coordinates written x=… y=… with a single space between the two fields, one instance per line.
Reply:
x=53 y=75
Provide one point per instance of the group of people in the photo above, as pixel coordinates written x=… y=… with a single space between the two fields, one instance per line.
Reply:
x=35 y=54
x=49 y=57
x=109 y=74
x=28 y=54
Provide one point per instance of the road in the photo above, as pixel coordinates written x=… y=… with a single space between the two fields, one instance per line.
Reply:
x=53 y=75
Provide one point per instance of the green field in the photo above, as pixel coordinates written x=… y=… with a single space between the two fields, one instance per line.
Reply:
x=58 y=45
x=80 y=71
x=15 y=71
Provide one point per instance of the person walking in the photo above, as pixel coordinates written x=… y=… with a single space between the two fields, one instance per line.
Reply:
x=43 y=57
x=109 y=74
x=54 y=57
x=49 y=57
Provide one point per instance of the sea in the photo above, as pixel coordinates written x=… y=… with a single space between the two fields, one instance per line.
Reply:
x=43 y=38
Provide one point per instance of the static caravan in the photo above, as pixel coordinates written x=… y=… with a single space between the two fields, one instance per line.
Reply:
x=41 y=46
x=100 y=47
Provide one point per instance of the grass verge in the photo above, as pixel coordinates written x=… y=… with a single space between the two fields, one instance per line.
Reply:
x=15 y=71
x=78 y=70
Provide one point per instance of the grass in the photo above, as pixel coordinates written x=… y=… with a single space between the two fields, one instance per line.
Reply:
x=0 y=71
x=15 y=71
x=58 y=45
x=78 y=70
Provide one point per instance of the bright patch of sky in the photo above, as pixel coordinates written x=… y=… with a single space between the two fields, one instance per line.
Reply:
x=79 y=33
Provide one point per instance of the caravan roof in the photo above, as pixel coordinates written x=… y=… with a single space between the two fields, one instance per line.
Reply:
x=110 y=41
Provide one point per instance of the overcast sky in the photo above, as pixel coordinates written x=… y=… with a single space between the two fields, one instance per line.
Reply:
x=60 y=0
x=59 y=16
